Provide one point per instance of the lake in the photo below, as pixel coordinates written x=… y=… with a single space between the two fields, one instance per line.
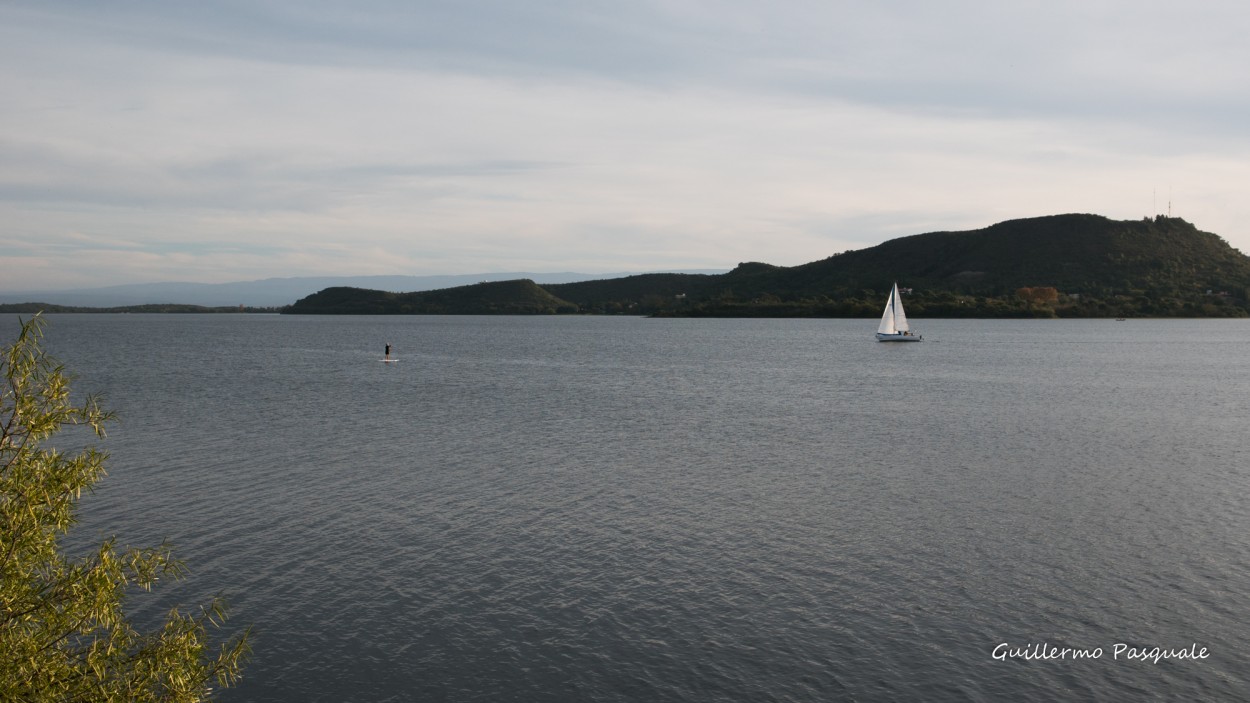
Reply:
x=628 y=509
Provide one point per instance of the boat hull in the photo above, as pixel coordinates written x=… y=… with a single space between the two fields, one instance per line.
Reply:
x=898 y=338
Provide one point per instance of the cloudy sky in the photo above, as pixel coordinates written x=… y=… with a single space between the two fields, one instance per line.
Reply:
x=227 y=141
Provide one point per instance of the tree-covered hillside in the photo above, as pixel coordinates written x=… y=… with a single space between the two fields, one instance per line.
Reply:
x=1096 y=266
x=1075 y=253
x=520 y=297
x=1062 y=265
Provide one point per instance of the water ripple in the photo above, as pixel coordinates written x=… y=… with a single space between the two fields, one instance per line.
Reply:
x=596 y=509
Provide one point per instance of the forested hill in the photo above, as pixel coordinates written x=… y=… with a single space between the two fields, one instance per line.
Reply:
x=519 y=297
x=1074 y=253
x=1062 y=265
x=1078 y=265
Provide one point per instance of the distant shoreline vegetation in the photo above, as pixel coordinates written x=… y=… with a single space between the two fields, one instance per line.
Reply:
x=944 y=304
x=1061 y=266
x=928 y=305
x=920 y=304
x=48 y=308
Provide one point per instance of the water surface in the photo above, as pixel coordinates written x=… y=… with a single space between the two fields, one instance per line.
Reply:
x=621 y=509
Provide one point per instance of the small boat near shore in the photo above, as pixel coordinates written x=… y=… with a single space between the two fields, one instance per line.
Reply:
x=894 y=327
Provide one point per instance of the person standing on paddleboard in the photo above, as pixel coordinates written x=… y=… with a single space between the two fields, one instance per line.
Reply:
x=388 y=353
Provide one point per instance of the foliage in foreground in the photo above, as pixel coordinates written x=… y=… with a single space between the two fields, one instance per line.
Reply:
x=63 y=634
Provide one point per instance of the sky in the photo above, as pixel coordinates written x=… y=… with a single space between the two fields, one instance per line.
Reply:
x=230 y=141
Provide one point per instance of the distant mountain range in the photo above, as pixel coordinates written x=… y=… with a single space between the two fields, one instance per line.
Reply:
x=1063 y=265
x=271 y=292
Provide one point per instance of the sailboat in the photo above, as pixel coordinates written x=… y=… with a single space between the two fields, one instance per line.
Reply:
x=893 y=327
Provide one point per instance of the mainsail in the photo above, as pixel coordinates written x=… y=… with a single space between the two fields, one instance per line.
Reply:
x=893 y=320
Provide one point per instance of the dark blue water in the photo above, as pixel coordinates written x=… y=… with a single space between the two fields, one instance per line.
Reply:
x=623 y=509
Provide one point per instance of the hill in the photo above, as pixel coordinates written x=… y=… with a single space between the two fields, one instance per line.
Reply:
x=519 y=297
x=1062 y=265
x=270 y=292
x=1076 y=253
x=1096 y=267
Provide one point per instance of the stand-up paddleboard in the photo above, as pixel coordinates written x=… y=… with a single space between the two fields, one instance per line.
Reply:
x=389 y=361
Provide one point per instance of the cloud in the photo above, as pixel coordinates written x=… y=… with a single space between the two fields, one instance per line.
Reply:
x=276 y=139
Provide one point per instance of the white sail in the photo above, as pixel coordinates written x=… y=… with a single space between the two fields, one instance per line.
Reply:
x=900 y=317
x=894 y=327
x=887 y=317
x=893 y=320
